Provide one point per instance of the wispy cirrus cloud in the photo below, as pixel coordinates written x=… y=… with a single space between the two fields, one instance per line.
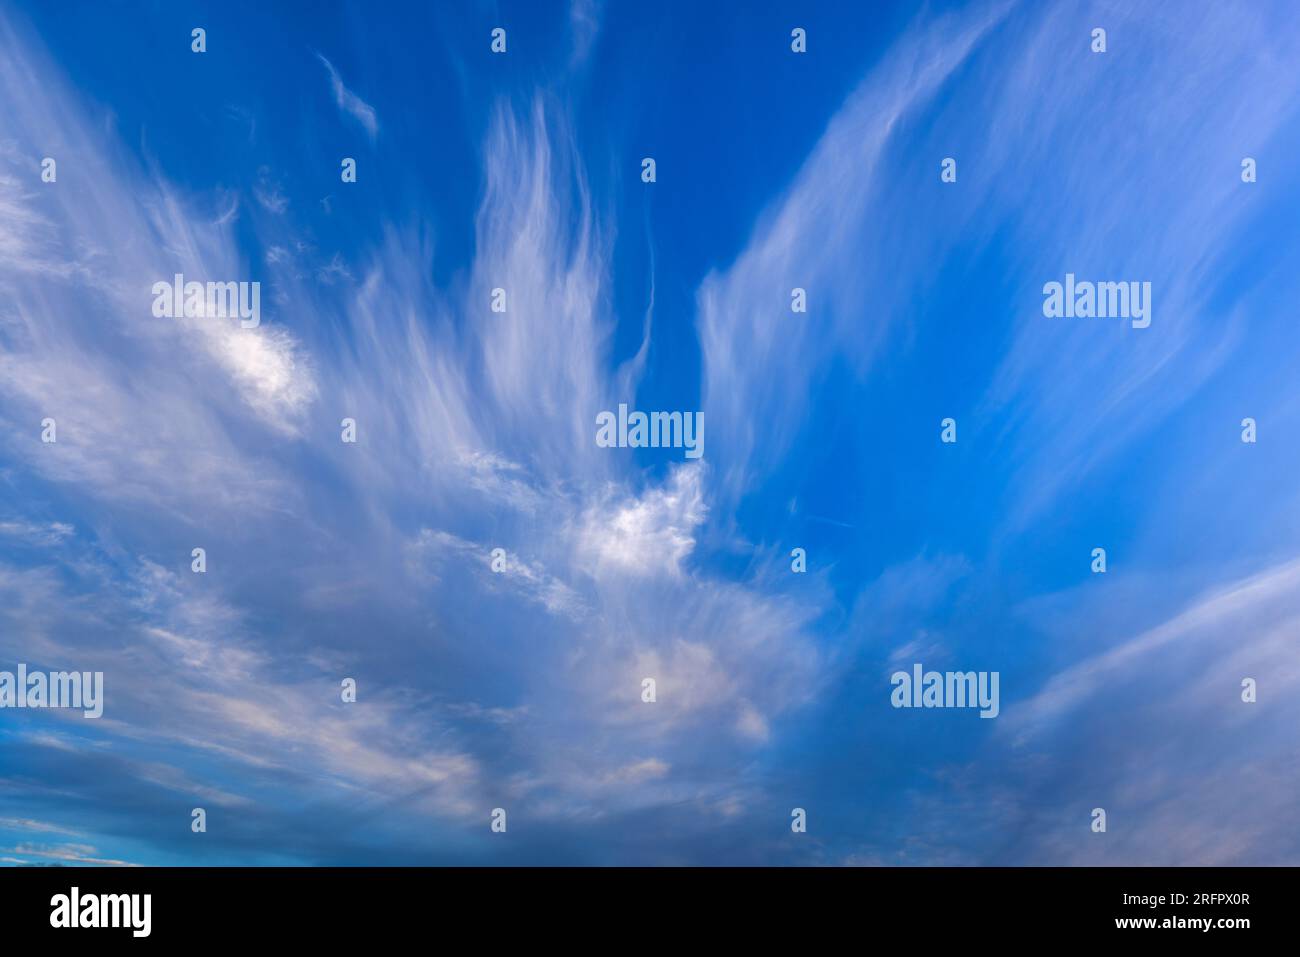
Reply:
x=72 y=854
x=822 y=235
x=479 y=432
x=349 y=102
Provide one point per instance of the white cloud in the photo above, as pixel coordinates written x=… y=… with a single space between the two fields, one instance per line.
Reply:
x=350 y=103
x=651 y=534
x=79 y=343
x=73 y=854
x=822 y=235
x=1228 y=623
x=47 y=534
x=477 y=424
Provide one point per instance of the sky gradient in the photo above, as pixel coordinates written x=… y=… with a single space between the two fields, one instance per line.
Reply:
x=522 y=689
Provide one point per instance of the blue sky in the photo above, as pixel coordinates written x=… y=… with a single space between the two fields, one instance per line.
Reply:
x=522 y=689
